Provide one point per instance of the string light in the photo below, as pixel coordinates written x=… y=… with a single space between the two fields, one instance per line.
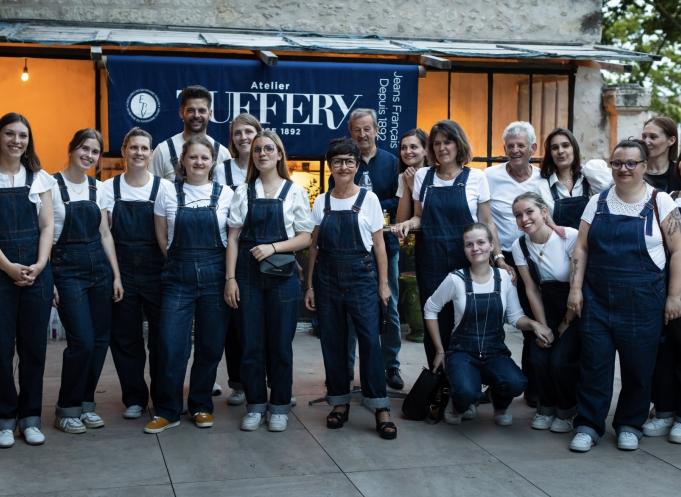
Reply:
x=24 y=73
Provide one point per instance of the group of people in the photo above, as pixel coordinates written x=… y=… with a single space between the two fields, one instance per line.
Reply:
x=200 y=241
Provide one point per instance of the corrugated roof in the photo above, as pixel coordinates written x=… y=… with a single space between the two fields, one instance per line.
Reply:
x=263 y=40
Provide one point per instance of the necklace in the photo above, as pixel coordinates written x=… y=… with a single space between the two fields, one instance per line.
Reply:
x=269 y=193
x=80 y=190
x=481 y=341
x=541 y=247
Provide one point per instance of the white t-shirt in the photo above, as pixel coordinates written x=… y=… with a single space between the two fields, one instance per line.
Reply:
x=297 y=215
x=130 y=193
x=596 y=173
x=503 y=190
x=477 y=189
x=400 y=186
x=194 y=196
x=161 y=164
x=42 y=182
x=617 y=206
x=554 y=265
x=238 y=174
x=76 y=192
x=370 y=217
x=453 y=288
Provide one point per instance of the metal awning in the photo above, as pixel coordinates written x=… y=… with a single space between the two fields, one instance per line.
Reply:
x=52 y=34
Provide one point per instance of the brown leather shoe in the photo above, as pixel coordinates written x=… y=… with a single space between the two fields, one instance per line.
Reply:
x=203 y=419
x=159 y=424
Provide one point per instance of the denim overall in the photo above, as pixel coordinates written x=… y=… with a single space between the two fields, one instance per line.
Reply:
x=477 y=353
x=439 y=245
x=24 y=311
x=140 y=261
x=268 y=308
x=555 y=369
x=84 y=280
x=346 y=285
x=624 y=299
x=193 y=283
x=568 y=211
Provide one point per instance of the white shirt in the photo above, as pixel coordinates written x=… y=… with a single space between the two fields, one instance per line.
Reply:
x=369 y=218
x=161 y=164
x=503 y=190
x=596 y=173
x=194 y=196
x=238 y=174
x=554 y=265
x=130 y=193
x=453 y=289
x=42 y=182
x=297 y=215
x=617 y=206
x=76 y=192
x=477 y=188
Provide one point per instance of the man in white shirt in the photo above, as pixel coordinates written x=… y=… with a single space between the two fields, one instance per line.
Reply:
x=195 y=111
x=507 y=181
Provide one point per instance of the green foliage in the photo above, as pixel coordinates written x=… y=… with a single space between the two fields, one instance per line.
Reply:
x=651 y=26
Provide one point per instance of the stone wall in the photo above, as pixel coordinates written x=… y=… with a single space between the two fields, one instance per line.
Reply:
x=537 y=20
x=591 y=125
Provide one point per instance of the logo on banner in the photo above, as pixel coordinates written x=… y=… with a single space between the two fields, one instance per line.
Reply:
x=143 y=105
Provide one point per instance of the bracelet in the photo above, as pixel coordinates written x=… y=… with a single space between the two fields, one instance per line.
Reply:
x=230 y=278
x=310 y=288
x=274 y=248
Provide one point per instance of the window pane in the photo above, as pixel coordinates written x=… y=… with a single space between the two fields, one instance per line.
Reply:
x=432 y=104
x=306 y=174
x=549 y=105
x=469 y=109
x=511 y=103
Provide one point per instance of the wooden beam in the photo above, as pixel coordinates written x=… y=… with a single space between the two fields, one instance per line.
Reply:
x=435 y=62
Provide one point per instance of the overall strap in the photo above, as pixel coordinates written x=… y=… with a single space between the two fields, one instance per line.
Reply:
x=216 y=148
x=284 y=191
x=554 y=191
x=215 y=195
x=92 y=186
x=29 y=178
x=357 y=206
x=154 y=189
x=602 y=206
x=497 y=280
x=173 y=153
x=531 y=266
x=462 y=178
x=62 y=188
x=586 y=187
x=659 y=222
x=179 y=190
x=250 y=192
x=117 y=187
x=229 y=181
x=468 y=281
x=327 y=202
x=427 y=181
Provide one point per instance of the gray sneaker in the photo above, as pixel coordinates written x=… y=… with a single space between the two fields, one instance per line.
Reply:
x=236 y=398
x=91 y=420
x=133 y=412
x=503 y=418
x=70 y=425
x=6 y=439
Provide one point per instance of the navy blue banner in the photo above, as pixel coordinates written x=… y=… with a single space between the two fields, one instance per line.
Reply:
x=306 y=103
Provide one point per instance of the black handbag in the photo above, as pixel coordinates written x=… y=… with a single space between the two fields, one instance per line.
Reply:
x=278 y=265
x=417 y=404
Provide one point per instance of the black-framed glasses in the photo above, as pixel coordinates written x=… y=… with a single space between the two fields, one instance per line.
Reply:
x=338 y=162
x=629 y=164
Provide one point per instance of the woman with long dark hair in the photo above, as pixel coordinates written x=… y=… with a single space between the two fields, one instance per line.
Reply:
x=413 y=156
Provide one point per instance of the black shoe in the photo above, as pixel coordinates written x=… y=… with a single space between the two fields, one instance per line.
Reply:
x=393 y=378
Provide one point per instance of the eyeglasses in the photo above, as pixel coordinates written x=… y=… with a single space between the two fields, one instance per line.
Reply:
x=337 y=163
x=630 y=164
x=268 y=149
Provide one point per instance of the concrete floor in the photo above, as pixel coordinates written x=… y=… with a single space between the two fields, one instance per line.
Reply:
x=308 y=460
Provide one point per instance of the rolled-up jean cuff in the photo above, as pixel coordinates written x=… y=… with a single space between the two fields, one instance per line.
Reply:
x=235 y=385
x=546 y=411
x=630 y=429
x=664 y=414
x=29 y=422
x=376 y=403
x=566 y=413
x=338 y=400
x=589 y=431
x=8 y=424
x=259 y=408
x=279 y=409
x=89 y=406
x=68 y=412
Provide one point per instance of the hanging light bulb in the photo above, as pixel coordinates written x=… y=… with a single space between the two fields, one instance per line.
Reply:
x=24 y=73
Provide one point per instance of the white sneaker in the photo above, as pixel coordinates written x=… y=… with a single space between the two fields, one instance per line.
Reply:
x=675 y=433
x=451 y=417
x=503 y=418
x=91 y=420
x=133 y=412
x=33 y=436
x=627 y=440
x=657 y=427
x=278 y=422
x=6 y=439
x=541 y=421
x=294 y=401
x=581 y=442
x=559 y=425
x=471 y=413
x=252 y=421
x=217 y=389
x=236 y=398
x=70 y=425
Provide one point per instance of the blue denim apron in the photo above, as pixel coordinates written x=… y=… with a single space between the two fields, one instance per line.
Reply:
x=568 y=211
x=24 y=311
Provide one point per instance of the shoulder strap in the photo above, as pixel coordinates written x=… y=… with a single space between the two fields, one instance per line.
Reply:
x=327 y=202
x=62 y=188
x=554 y=191
x=179 y=191
x=284 y=191
x=357 y=206
x=173 y=153
x=154 y=189
x=531 y=266
x=117 y=187
x=29 y=177
x=468 y=281
x=586 y=187
x=497 y=280
x=229 y=181
x=215 y=195
x=250 y=192
x=427 y=181
x=462 y=178
x=92 y=186
x=216 y=147
x=659 y=223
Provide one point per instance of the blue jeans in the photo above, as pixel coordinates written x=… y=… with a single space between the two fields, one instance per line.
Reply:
x=84 y=281
x=192 y=292
x=467 y=373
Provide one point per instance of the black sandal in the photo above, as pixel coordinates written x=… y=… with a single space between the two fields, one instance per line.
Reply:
x=336 y=419
x=386 y=429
